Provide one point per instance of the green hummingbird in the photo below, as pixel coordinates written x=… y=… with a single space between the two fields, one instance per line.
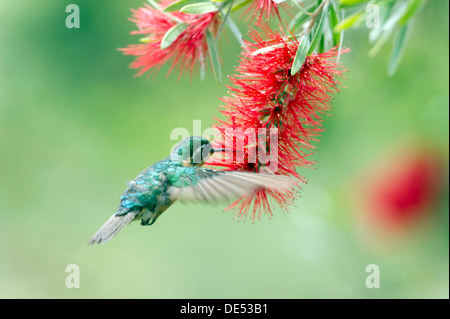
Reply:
x=181 y=177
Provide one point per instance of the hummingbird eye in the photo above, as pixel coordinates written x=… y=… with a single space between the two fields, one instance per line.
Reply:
x=207 y=150
x=193 y=151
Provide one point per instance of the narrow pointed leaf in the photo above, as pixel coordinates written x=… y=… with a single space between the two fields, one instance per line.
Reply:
x=202 y=66
x=235 y=30
x=398 y=48
x=301 y=17
x=318 y=29
x=240 y=4
x=351 y=2
x=214 y=57
x=200 y=8
x=176 y=6
x=172 y=34
x=387 y=28
x=334 y=21
x=385 y=12
x=225 y=16
x=300 y=55
x=412 y=8
x=298 y=20
x=349 y=22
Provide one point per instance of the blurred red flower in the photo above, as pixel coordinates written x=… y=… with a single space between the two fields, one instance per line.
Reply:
x=266 y=96
x=403 y=190
x=187 y=51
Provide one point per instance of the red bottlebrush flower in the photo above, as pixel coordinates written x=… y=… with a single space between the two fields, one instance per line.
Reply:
x=402 y=190
x=266 y=97
x=187 y=51
x=263 y=9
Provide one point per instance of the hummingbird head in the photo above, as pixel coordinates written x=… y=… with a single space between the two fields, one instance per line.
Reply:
x=193 y=151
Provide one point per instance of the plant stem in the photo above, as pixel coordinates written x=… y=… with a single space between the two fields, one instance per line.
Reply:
x=314 y=16
x=301 y=8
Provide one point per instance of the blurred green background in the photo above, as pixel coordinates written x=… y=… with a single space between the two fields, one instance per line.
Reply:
x=76 y=125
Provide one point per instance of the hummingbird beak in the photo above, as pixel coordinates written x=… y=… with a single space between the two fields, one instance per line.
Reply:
x=216 y=150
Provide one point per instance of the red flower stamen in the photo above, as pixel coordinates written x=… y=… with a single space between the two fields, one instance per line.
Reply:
x=265 y=95
x=263 y=9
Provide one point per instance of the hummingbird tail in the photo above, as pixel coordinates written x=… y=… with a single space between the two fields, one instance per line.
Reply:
x=112 y=226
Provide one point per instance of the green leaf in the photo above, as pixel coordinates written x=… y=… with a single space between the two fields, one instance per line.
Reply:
x=225 y=16
x=240 y=4
x=202 y=66
x=334 y=21
x=398 y=48
x=214 y=57
x=301 y=17
x=300 y=55
x=387 y=28
x=235 y=30
x=298 y=20
x=411 y=10
x=349 y=22
x=172 y=34
x=351 y=2
x=380 y=42
x=318 y=29
x=385 y=13
x=176 y=6
x=200 y=8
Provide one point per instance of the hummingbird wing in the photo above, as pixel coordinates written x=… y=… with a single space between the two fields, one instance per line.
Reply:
x=211 y=186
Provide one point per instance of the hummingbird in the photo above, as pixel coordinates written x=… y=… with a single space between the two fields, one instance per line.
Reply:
x=181 y=177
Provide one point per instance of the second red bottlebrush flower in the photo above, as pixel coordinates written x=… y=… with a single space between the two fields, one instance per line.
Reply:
x=186 y=52
x=265 y=97
x=263 y=9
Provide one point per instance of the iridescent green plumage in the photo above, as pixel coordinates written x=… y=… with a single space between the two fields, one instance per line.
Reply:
x=181 y=176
